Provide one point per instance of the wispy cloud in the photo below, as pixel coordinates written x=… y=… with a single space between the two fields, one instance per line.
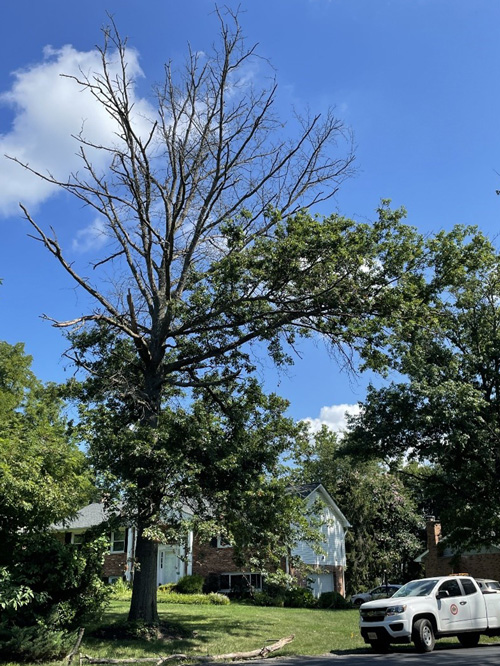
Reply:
x=333 y=417
x=90 y=238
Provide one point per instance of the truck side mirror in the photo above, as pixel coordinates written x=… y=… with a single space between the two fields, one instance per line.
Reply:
x=442 y=594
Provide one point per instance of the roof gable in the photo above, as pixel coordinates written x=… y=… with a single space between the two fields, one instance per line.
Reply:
x=310 y=491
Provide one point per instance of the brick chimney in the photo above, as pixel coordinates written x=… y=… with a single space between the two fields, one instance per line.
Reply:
x=433 y=533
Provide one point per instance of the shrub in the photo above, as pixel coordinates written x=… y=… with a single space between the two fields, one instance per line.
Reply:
x=213 y=598
x=299 y=597
x=121 y=589
x=266 y=599
x=276 y=584
x=35 y=643
x=190 y=584
x=166 y=588
x=333 y=600
x=47 y=590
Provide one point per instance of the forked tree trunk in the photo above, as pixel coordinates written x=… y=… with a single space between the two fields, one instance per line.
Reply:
x=143 y=605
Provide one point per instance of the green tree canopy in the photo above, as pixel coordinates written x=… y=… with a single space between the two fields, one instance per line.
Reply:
x=444 y=413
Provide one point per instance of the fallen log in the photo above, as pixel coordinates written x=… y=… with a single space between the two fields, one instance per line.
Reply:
x=255 y=654
x=261 y=653
x=132 y=660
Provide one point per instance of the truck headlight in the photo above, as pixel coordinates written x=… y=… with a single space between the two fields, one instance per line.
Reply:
x=395 y=610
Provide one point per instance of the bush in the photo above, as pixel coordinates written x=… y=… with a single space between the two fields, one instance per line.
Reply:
x=299 y=597
x=276 y=584
x=47 y=590
x=213 y=598
x=333 y=600
x=266 y=599
x=166 y=588
x=121 y=589
x=190 y=584
x=35 y=643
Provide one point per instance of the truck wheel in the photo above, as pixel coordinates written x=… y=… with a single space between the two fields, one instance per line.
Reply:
x=469 y=640
x=423 y=636
x=379 y=646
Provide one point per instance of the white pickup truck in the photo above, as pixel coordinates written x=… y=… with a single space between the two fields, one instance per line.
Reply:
x=430 y=608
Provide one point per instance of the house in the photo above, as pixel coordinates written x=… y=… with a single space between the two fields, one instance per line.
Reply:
x=327 y=570
x=214 y=560
x=174 y=561
x=441 y=560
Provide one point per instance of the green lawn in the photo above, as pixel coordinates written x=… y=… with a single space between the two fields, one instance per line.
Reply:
x=212 y=630
x=238 y=627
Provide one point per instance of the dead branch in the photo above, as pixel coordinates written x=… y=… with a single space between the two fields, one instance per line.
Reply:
x=254 y=654
x=134 y=660
x=261 y=653
x=76 y=646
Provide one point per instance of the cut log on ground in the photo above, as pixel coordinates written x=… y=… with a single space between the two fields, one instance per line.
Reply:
x=254 y=654
x=132 y=660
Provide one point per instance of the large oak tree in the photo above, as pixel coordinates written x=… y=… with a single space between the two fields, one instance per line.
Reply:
x=211 y=255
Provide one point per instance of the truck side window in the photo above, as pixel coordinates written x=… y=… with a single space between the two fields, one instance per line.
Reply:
x=468 y=585
x=452 y=587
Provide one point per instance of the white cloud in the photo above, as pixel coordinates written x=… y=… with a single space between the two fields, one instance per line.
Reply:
x=48 y=108
x=92 y=237
x=333 y=417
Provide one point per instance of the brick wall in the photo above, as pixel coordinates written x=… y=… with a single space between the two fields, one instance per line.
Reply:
x=208 y=559
x=480 y=565
x=114 y=564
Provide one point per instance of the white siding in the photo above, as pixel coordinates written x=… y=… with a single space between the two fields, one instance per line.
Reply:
x=334 y=545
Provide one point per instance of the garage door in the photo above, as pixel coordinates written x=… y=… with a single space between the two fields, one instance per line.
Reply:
x=320 y=583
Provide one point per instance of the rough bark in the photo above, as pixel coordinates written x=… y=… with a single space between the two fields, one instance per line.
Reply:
x=143 y=605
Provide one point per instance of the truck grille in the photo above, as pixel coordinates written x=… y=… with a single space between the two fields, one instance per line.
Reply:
x=373 y=615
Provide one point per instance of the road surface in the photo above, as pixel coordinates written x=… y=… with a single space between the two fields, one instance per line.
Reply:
x=483 y=655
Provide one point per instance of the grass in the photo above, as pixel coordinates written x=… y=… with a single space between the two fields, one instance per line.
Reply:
x=239 y=627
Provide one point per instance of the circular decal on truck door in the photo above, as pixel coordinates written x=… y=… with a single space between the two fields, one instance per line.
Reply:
x=454 y=609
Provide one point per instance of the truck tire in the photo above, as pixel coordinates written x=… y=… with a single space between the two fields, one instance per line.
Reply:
x=379 y=646
x=423 y=635
x=469 y=640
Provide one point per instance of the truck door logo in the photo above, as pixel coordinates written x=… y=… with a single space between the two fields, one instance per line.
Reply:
x=454 y=609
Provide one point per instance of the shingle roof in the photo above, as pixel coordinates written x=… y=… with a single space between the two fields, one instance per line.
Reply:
x=90 y=516
x=305 y=489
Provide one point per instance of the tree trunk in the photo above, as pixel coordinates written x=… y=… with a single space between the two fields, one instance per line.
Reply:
x=143 y=605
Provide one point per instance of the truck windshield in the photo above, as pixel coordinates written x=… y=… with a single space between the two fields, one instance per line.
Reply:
x=416 y=588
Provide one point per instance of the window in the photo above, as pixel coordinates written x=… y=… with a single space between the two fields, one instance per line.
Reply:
x=219 y=542
x=452 y=587
x=240 y=581
x=468 y=585
x=118 y=541
x=77 y=539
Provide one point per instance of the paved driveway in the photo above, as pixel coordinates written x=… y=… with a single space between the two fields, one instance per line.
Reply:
x=483 y=655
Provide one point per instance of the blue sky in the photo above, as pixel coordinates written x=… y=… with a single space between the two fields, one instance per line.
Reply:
x=416 y=80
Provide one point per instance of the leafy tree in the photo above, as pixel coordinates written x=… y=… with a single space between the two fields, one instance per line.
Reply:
x=444 y=413
x=46 y=588
x=212 y=257
x=384 y=537
x=44 y=477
